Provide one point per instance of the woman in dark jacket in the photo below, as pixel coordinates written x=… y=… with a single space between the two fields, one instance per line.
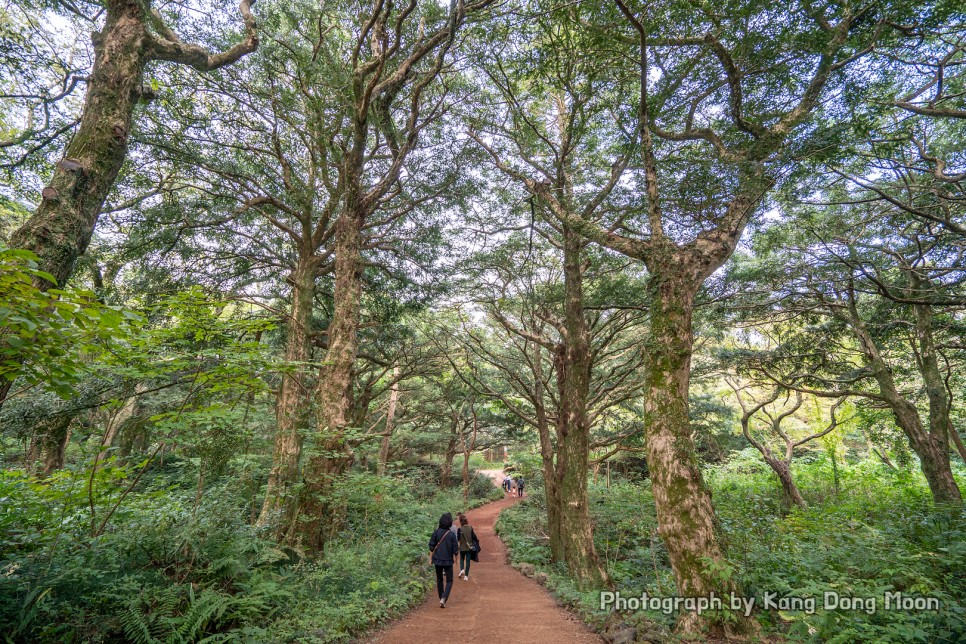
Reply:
x=467 y=541
x=443 y=546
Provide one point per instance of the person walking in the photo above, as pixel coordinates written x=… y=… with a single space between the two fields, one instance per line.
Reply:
x=443 y=546
x=469 y=544
x=520 y=485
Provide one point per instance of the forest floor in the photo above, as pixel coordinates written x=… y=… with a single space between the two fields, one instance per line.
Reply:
x=497 y=604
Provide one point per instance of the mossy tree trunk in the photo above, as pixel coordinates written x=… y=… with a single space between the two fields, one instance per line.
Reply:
x=686 y=518
x=932 y=445
x=783 y=469
x=383 y=63
x=551 y=489
x=62 y=226
x=53 y=434
x=312 y=522
x=293 y=403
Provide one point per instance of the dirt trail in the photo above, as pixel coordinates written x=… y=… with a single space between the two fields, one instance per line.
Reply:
x=498 y=605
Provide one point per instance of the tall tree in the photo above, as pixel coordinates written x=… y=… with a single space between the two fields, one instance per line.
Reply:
x=545 y=111
x=392 y=72
x=559 y=356
x=132 y=36
x=720 y=103
x=877 y=290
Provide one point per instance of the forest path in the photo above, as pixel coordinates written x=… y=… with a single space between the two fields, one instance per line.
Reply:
x=497 y=605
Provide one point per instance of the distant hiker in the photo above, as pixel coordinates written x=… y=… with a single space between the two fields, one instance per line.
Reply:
x=469 y=546
x=520 y=485
x=443 y=546
x=506 y=483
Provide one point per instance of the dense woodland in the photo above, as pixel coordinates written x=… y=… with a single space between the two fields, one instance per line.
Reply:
x=277 y=278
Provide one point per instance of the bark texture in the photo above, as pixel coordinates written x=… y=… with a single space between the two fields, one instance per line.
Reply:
x=686 y=517
x=61 y=228
x=292 y=406
x=314 y=520
x=932 y=445
x=572 y=362
x=53 y=434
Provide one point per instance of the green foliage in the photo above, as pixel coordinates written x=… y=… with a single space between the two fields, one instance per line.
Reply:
x=880 y=534
x=168 y=570
x=50 y=337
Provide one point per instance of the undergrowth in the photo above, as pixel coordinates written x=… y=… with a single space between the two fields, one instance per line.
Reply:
x=168 y=570
x=877 y=532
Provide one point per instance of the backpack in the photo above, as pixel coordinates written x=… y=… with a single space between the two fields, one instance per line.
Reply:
x=474 y=544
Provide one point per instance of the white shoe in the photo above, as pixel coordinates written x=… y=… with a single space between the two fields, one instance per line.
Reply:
x=442 y=603
x=466 y=577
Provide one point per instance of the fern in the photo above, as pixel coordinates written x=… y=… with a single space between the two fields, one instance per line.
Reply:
x=136 y=628
x=206 y=607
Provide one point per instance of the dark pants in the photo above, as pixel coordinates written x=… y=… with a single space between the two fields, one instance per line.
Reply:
x=444 y=592
x=465 y=559
x=521 y=491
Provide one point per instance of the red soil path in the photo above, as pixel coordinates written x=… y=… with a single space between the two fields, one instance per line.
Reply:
x=497 y=605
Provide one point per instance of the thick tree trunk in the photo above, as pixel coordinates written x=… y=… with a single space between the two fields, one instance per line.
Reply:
x=293 y=402
x=315 y=520
x=61 y=228
x=572 y=363
x=390 y=421
x=686 y=517
x=933 y=454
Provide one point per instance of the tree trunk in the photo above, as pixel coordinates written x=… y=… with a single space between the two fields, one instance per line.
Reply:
x=61 y=228
x=467 y=450
x=957 y=441
x=551 y=490
x=933 y=454
x=686 y=517
x=315 y=520
x=784 y=471
x=446 y=471
x=117 y=421
x=293 y=402
x=932 y=449
x=53 y=434
x=390 y=420
x=572 y=363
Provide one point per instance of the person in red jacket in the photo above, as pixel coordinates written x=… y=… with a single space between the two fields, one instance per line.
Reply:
x=443 y=547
